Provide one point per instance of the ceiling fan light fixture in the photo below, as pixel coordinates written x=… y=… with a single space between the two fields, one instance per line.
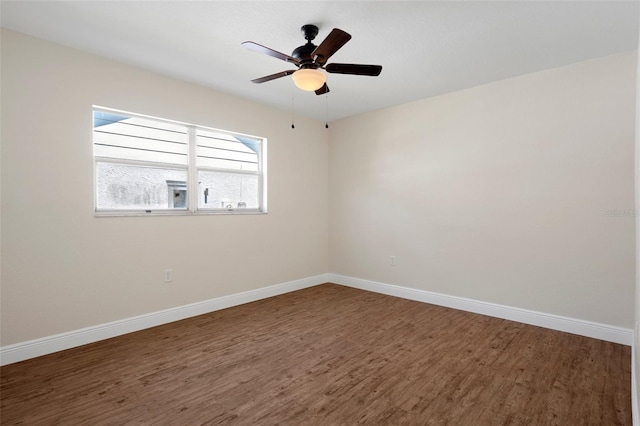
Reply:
x=309 y=79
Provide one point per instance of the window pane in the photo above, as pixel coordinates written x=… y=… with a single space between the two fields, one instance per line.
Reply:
x=220 y=190
x=127 y=187
x=140 y=139
x=226 y=151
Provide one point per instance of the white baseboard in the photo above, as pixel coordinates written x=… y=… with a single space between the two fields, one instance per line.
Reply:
x=46 y=345
x=634 y=389
x=595 y=330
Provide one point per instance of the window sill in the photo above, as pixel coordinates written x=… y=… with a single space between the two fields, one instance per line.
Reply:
x=135 y=213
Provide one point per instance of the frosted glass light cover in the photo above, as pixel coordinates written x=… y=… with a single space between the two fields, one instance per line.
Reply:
x=309 y=79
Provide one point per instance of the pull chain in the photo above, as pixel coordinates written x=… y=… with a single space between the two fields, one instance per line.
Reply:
x=326 y=105
x=292 y=114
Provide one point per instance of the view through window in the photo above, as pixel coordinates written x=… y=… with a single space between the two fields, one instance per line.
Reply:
x=149 y=165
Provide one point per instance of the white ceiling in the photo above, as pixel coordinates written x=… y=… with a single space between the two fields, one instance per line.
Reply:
x=426 y=48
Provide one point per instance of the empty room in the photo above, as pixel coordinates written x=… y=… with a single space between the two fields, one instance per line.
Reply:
x=319 y=213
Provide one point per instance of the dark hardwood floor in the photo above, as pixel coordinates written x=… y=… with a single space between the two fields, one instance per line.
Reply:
x=327 y=355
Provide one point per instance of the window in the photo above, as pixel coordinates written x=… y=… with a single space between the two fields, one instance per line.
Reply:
x=146 y=165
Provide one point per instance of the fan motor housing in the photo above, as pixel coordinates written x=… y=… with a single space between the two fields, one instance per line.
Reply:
x=303 y=53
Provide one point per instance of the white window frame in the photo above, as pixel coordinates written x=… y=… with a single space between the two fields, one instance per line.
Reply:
x=192 y=173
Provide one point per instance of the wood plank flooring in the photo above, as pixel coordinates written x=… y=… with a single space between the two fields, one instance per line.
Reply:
x=327 y=355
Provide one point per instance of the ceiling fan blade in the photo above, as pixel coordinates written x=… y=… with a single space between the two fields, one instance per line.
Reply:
x=273 y=76
x=357 y=69
x=324 y=89
x=330 y=45
x=267 y=51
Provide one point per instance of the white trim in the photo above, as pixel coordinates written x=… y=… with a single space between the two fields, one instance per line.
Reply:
x=192 y=173
x=46 y=345
x=635 y=415
x=595 y=330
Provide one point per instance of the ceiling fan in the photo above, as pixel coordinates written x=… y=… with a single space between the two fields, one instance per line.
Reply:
x=310 y=59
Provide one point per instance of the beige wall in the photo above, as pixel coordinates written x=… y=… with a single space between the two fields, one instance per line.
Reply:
x=498 y=193
x=64 y=269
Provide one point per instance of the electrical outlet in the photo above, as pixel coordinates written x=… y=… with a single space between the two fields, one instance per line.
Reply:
x=168 y=275
x=393 y=261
